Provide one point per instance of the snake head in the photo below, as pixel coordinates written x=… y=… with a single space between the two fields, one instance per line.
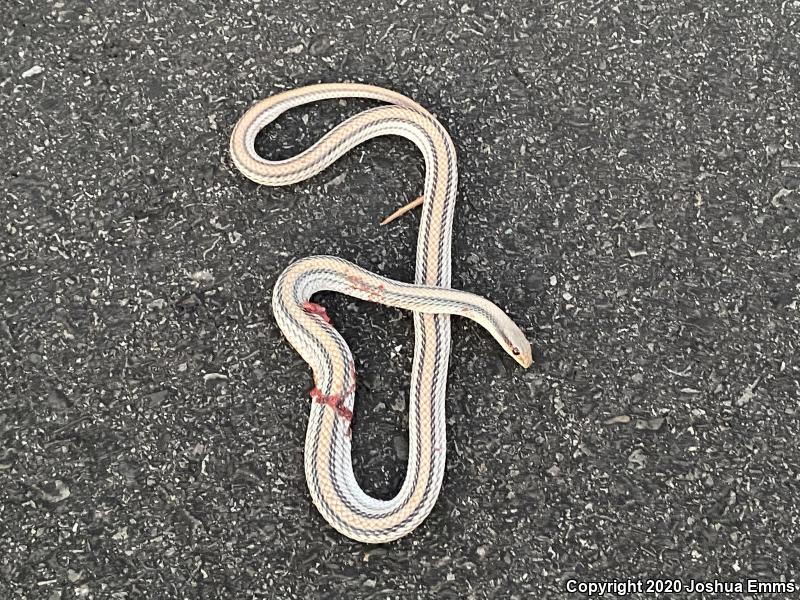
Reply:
x=502 y=328
x=520 y=350
x=513 y=340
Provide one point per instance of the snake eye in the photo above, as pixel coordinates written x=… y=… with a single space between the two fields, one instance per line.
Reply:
x=515 y=351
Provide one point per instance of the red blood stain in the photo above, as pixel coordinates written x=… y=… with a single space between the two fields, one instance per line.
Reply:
x=316 y=309
x=374 y=293
x=334 y=401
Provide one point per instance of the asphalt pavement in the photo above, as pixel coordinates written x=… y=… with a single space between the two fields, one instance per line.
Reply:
x=629 y=192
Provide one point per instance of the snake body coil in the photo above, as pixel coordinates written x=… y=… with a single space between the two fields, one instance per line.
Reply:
x=328 y=465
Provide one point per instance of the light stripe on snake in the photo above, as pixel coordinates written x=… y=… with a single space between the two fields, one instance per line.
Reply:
x=329 y=472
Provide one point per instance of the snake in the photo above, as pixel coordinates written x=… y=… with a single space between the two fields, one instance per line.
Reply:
x=308 y=328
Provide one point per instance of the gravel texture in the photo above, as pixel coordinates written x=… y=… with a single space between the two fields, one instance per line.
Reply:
x=629 y=191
